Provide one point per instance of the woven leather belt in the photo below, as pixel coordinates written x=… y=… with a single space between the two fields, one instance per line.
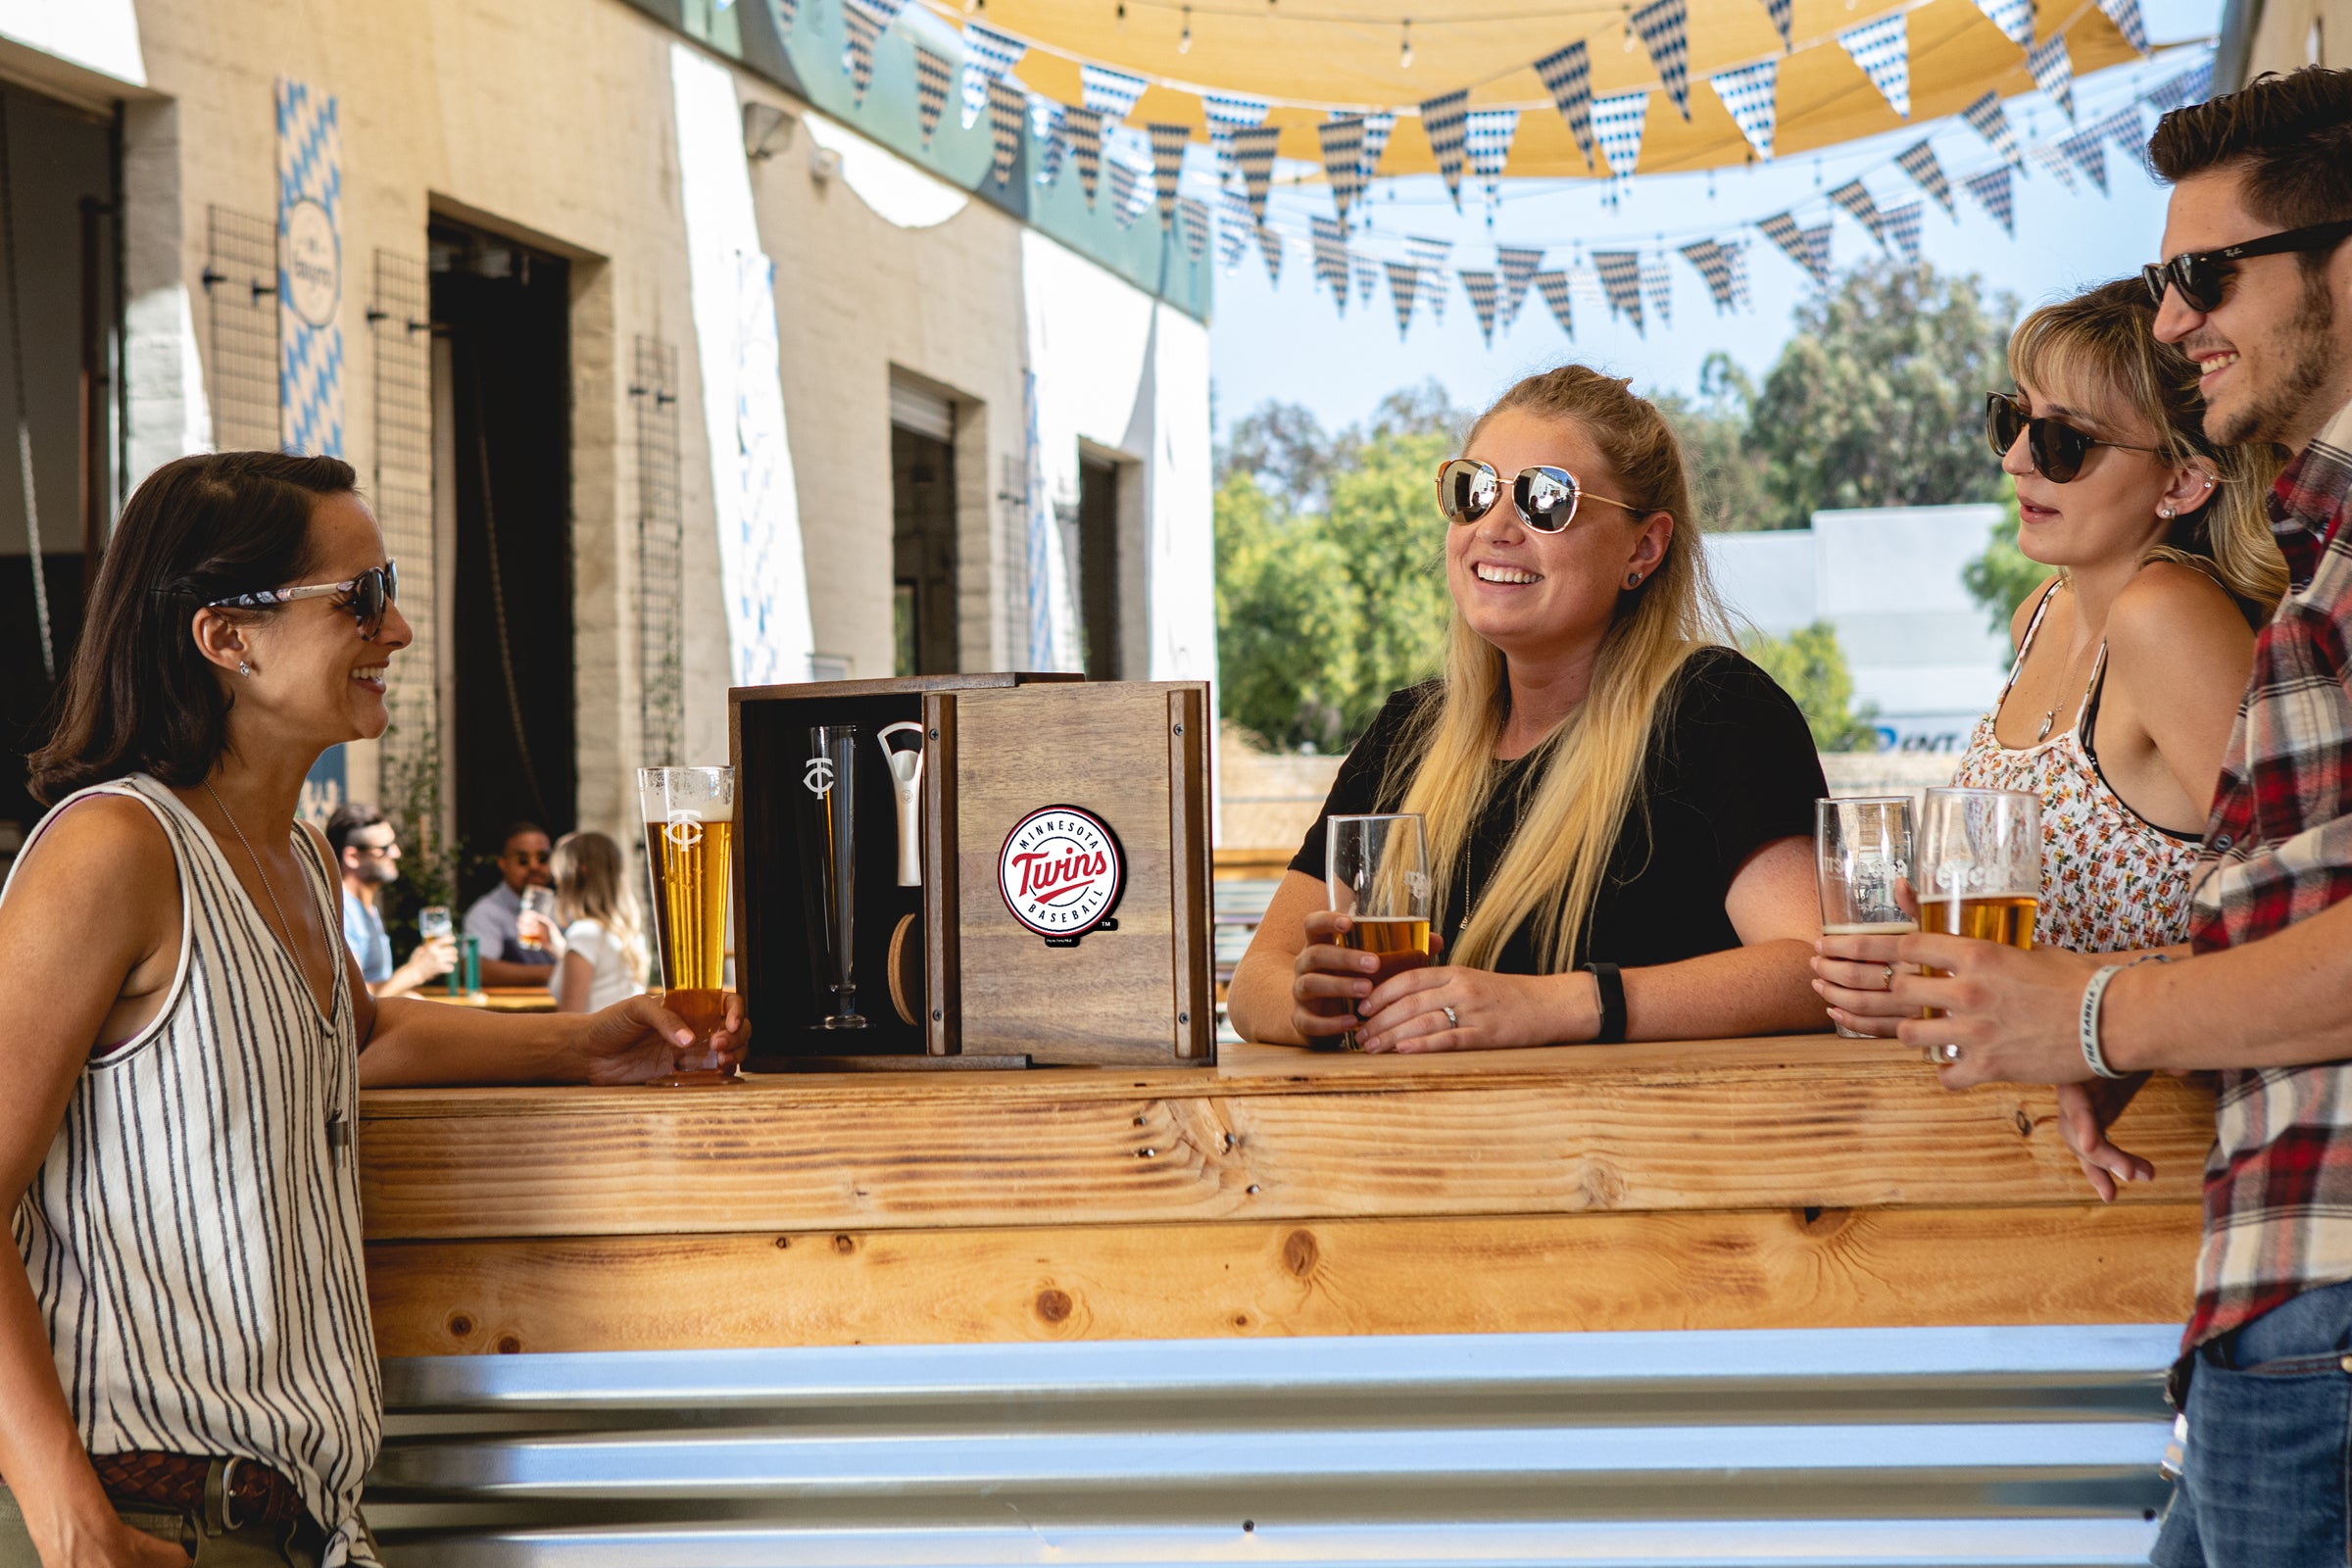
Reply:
x=253 y=1495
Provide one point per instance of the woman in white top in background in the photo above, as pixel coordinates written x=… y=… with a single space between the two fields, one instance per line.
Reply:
x=603 y=957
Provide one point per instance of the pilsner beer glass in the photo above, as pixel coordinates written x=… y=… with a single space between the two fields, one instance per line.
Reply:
x=828 y=805
x=1862 y=847
x=1377 y=872
x=540 y=902
x=432 y=921
x=688 y=839
x=1979 y=865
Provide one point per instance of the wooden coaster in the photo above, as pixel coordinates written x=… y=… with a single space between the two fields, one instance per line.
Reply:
x=906 y=968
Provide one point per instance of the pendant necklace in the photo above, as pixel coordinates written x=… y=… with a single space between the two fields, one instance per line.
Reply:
x=285 y=926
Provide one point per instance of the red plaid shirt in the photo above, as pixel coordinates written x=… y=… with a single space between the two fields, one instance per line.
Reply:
x=2278 y=1182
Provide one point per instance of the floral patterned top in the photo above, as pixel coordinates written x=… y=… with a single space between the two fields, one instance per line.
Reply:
x=2112 y=880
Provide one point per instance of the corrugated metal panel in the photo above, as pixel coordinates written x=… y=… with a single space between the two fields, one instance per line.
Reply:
x=1873 y=1447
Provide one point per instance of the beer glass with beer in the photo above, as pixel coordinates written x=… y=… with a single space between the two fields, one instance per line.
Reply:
x=689 y=815
x=1979 y=866
x=1377 y=873
x=1863 y=846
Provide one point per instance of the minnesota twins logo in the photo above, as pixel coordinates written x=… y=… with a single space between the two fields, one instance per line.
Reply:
x=818 y=775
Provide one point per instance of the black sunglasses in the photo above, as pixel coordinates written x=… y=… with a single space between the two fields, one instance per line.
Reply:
x=2199 y=276
x=371 y=592
x=1546 y=498
x=2058 y=449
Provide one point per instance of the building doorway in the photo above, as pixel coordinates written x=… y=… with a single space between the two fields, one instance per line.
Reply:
x=1099 y=563
x=60 y=332
x=922 y=509
x=504 y=310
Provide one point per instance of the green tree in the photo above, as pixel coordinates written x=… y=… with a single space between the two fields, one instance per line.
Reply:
x=2003 y=576
x=1288 y=621
x=1727 y=476
x=1874 y=402
x=1331 y=590
x=1811 y=667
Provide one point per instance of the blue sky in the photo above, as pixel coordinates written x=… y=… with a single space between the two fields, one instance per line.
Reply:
x=1291 y=344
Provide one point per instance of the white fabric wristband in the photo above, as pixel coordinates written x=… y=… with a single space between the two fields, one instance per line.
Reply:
x=2095 y=994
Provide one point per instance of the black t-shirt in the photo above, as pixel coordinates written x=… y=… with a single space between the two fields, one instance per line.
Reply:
x=1732 y=770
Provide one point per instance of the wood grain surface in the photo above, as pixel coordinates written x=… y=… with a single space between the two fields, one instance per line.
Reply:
x=1690 y=1270
x=1268 y=1135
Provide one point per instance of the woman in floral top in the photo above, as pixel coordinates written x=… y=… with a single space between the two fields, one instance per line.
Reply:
x=2133 y=657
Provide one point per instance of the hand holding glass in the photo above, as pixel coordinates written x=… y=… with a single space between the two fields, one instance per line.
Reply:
x=1862 y=849
x=1979 y=867
x=1377 y=874
x=689 y=815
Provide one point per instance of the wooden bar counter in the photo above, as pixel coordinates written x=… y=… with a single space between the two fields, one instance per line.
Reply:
x=1784 y=1183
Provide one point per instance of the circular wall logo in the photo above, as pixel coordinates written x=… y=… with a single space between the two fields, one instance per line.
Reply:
x=1061 y=873
x=313 y=263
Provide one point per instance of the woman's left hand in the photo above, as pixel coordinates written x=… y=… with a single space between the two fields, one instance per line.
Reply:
x=636 y=1041
x=1443 y=1008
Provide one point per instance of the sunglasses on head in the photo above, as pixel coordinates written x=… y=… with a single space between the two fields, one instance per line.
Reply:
x=2058 y=449
x=1546 y=496
x=372 y=591
x=2200 y=275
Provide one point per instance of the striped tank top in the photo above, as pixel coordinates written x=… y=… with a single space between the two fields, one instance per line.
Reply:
x=193 y=1237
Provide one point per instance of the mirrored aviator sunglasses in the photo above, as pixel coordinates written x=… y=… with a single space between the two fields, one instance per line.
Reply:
x=1546 y=497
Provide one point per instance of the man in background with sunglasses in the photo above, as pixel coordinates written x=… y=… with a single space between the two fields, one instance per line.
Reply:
x=2257 y=289
x=495 y=918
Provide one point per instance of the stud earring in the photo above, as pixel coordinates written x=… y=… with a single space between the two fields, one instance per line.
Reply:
x=2164 y=512
x=1633 y=579
x=243 y=668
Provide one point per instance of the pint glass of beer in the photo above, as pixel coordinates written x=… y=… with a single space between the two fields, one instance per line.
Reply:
x=1862 y=845
x=1979 y=866
x=689 y=840
x=1377 y=872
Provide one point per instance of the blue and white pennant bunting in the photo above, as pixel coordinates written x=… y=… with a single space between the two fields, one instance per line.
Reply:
x=1553 y=287
x=933 y=72
x=1882 y=49
x=1487 y=139
x=1992 y=189
x=1109 y=93
x=1903 y=225
x=1342 y=137
x=1253 y=150
x=1750 y=96
x=1445 y=121
x=1621 y=279
x=1919 y=162
x=2053 y=72
x=988 y=55
x=1663 y=26
x=1167 y=165
x=1480 y=287
x=1988 y=119
x=1567 y=75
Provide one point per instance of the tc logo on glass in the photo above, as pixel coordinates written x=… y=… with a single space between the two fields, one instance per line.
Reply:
x=818 y=775
x=684 y=828
x=1061 y=873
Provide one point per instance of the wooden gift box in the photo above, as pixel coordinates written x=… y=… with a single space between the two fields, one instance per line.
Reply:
x=997 y=748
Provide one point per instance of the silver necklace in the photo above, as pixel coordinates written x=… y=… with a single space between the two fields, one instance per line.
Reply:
x=285 y=926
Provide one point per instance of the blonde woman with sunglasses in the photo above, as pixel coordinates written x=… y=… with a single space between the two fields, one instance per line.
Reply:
x=2133 y=657
x=1619 y=806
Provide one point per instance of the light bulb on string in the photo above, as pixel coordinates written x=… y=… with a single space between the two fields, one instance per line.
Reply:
x=1183 y=39
x=1404 y=50
x=1119 y=17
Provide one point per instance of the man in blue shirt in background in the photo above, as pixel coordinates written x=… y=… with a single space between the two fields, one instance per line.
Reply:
x=368 y=852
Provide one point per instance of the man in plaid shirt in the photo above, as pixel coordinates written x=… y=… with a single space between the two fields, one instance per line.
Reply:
x=2257 y=289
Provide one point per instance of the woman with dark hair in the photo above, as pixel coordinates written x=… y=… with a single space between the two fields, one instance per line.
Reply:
x=185 y=1351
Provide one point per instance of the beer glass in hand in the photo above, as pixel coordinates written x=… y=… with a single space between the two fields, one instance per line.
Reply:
x=432 y=921
x=1979 y=866
x=1377 y=874
x=689 y=815
x=540 y=902
x=1863 y=847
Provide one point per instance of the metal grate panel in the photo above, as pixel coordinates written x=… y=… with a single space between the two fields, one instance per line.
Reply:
x=240 y=287
x=400 y=321
x=661 y=543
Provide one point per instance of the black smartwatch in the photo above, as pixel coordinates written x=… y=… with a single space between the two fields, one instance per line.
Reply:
x=1612 y=1002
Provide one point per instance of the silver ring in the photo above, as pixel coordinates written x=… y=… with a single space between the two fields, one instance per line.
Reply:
x=1890 y=969
x=1949 y=1051
x=1450 y=1018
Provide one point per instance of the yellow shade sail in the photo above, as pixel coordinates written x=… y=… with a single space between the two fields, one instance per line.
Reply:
x=1311 y=58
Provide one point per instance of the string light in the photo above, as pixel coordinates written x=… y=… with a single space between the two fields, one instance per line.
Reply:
x=1404 y=53
x=1120 y=18
x=1183 y=39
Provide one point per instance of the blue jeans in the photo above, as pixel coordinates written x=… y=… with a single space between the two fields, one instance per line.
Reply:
x=2270 y=1443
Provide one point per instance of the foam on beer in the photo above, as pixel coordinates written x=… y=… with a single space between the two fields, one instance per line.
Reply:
x=653 y=803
